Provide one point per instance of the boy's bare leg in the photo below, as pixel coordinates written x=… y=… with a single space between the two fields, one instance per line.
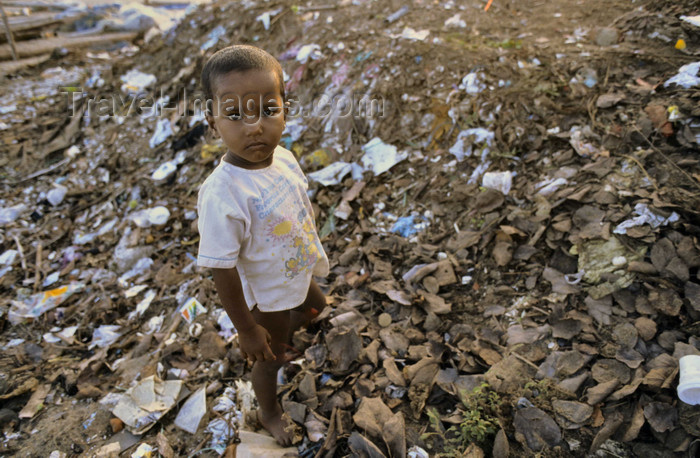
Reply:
x=264 y=376
x=313 y=304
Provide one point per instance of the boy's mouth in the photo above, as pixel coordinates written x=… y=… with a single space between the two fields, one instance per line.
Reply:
x=256 y=145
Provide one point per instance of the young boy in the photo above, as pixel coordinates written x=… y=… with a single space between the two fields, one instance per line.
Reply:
x=256 y=223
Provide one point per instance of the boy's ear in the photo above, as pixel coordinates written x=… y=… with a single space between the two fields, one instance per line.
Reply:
x=285 y=109
x=210 y=120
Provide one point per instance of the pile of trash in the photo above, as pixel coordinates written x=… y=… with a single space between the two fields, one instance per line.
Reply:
x=510 y=222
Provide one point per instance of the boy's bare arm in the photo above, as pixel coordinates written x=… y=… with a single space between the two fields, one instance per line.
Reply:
x=254 y=340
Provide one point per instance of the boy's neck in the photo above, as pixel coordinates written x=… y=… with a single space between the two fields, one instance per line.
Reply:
x=242 y=163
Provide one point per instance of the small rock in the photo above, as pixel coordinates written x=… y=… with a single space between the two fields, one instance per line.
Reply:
x=572 y=384
x=598 y=393
x=667 y=339
x=570 y=362
x=212 y=346
x=508 y=374
x=692 y=293
x=575 y=412
x=626 y=335
x=109 y=451
x=501 y=448
x=372 y=415
x=394 y=340
x=431 y=284
x=646 y=327
x=606 y=36
x=605 y=370
x=116 y=424
x=661 y=416
x=8 y=416
x=343 y=347
x=384 y=320
x=538 y=428
x=361 y=446
x=432 y=322
x=641 y=267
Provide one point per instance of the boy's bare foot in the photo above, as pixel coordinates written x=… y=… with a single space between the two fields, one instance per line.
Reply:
x=279 y=425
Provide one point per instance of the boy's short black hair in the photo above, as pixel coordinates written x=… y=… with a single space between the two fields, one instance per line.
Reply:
x=238 y=58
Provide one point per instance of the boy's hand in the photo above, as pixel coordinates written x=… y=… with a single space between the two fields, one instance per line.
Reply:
x=255 y=344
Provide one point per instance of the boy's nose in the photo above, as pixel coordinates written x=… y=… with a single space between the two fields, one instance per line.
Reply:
x=253 y=126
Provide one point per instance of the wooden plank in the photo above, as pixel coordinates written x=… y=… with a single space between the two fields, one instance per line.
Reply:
x=47 y=45
x=19 y=23
x=36 y=4
x=9 y=67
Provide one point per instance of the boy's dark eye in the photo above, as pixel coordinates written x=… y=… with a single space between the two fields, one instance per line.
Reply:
x=271 y=111
x=233 y=116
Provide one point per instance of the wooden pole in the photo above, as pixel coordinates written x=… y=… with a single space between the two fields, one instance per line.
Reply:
x=8 y=32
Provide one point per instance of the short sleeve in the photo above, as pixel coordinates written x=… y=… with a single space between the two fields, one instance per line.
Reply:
x=221 y=233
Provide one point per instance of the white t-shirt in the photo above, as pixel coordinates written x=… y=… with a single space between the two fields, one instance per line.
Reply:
x=261 y=222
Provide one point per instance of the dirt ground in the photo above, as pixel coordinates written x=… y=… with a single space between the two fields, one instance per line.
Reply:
x=569 y=330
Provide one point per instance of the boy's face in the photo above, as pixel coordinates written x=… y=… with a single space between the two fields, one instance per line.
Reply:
x=248 y=114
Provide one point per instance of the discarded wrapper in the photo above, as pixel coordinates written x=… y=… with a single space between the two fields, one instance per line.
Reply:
x=144 y=404
x=192 y=412
x=39 y=303
x=191 y=309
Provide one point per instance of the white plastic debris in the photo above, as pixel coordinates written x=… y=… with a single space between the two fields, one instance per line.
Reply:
x=68 y=334
x=164 y=171
x=138 y=268
x=8 y=257
x=213 y=37
x=645 y=216
x=155 y=216
x=228 y=330
x=687 y=76
x=134 y=290
x=380 y=157
x=580 y=145
x=9 y=214
x=266 y=16
x=136 y=81
x=409 y=33
x=455 y=21
x=464 y=146
x=144 y=404
x=417 y=452
x=142 y=306
x=143 y=451
x=500 y=181
x=104 y=336
x=154 y=324
x=550 y=186
x=80 y=238
x=221 y=433
x=139 y=17
x=56 y=195
x=51 y=279
x=332 y=174
x=195 y=330
x=472 y=84
x=694 y=20
x=306 y=52
x=163 y=131
x=225 y=403
x=190 y=415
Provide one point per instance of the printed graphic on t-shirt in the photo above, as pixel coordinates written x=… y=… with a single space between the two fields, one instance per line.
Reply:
x=295 y=235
